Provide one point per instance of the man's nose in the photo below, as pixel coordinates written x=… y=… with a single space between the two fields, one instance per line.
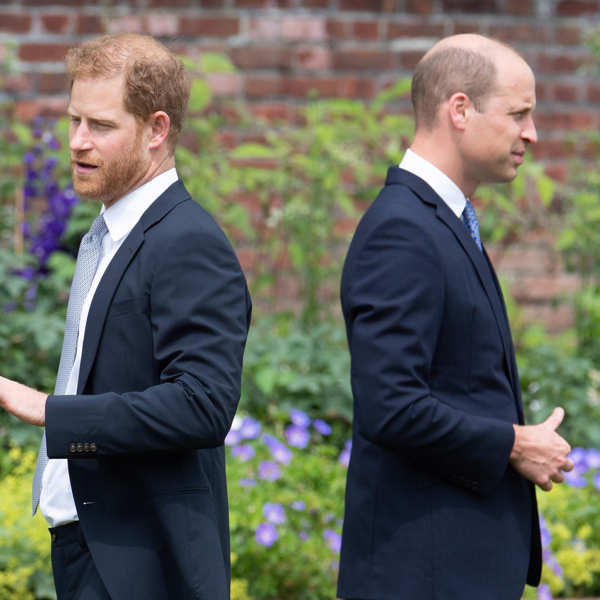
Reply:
x=529 y=133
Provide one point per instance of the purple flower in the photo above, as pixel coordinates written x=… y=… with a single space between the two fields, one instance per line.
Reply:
x=299 y=418
x=269 y=470
x=344 y=458
x=297 y=436
x=597 y=481
x=274 y=513
x=233 y=438
x=279 y=451
x=546 y=535
x=303 y=535
x=266 y=534
x=579 y=457
x=321 y=427
x=593 y=458
x=250 y=428
x=333 y=539
x=575 y=479
x=298 y=505
x=244 y=452
x=543 y=592
x=247 y=482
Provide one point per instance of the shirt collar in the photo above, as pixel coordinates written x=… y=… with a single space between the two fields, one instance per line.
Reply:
x=122 y=216
x=441 y=184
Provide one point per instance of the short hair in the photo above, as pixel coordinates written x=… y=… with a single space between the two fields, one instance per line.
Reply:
x=447 y=71
x=155 y=79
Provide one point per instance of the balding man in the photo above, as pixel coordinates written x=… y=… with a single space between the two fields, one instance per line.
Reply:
x=149 y=378
x=440 y=498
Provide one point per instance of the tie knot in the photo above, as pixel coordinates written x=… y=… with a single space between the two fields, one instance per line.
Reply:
x=97 y=230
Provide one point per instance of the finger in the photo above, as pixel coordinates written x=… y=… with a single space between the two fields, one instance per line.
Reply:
x=546 y=486
x=556 y=418
x=568 y=465
x=558 y=477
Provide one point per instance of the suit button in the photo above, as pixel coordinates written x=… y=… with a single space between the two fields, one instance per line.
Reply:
x=72 y=448
x=79 y=447
x=93 y=447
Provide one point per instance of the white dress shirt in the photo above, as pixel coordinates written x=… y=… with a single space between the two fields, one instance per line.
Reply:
x=56 y=502
x=441 y=184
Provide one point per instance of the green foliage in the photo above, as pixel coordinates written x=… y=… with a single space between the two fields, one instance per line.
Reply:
x=24 y=542
x=286 y=366
x=301 y=564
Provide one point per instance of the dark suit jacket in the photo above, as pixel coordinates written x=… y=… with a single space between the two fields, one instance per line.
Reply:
x=433 y=508
x=158 y=388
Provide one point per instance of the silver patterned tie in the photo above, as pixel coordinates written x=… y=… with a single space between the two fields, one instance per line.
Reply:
x=85 y=268
x=469 y=218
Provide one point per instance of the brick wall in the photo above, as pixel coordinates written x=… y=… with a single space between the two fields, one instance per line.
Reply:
x=341 y=48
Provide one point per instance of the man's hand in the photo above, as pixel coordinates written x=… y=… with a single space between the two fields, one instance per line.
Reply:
x=25 y=403
x=539 y=453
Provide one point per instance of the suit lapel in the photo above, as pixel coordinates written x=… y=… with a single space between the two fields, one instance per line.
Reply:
x=175 y=194
x=480 y=261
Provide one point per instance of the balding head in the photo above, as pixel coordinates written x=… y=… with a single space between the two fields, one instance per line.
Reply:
x=465 y=63
x=155 y=79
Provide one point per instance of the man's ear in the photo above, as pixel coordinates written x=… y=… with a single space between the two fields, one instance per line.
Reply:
x=160 y=125
x=459 y=109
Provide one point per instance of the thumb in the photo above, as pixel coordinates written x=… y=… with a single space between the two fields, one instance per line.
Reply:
x=556 y=418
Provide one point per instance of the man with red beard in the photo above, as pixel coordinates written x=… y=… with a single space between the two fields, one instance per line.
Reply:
x=131 y=474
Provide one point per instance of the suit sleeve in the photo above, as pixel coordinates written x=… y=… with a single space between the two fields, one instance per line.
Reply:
x=199 y=314
x=393 y=302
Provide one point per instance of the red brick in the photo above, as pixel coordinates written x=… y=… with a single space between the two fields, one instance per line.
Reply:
x=212 y=3
x=576 y=8
x=569 y=35
x=591 y=149
x=303 y=28
x=541 y=91
x=470 y=6
x=315 y=3
x=274 y=111
x=170 y=3
x=557 y=172
x=17 y=83
x=462 y=27
x=337 y=30
x=90 y=24
x=160 y=24
x=404 y=30
x=314 y=58
x=421 y=7
x=301 y=87
x=225 y=84
x=520 y=7
x=523 y=258
x=52 y=3
x=565 y=92
x=43 y=52
x=555 y=120
x=556 y=318
x=545 y=287
x=366 y=30
x=209 y=26
x=593 y=93
x=127 y=24
x=27 y=110
x=263 y=87
x=363 y=59
x=261 y=57
x=521 y=33
x=252 y=3
x=356 y=87
x=409 y=60
x=551 y=149
x=559 y=63
x=15 y=23
x=52 y=83
x=56 y=23
x=368 y=5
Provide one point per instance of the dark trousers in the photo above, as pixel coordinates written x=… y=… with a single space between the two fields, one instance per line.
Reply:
x=75 y=575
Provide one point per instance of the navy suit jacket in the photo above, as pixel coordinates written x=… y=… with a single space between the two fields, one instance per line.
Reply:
x=433 y=508
x=158 y=388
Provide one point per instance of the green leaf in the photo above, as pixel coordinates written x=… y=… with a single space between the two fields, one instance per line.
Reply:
x=216 y=62
x=253 y=150
x=200 y=96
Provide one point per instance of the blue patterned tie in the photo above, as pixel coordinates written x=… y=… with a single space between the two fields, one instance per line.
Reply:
x=469 y=218
x=85 y=269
